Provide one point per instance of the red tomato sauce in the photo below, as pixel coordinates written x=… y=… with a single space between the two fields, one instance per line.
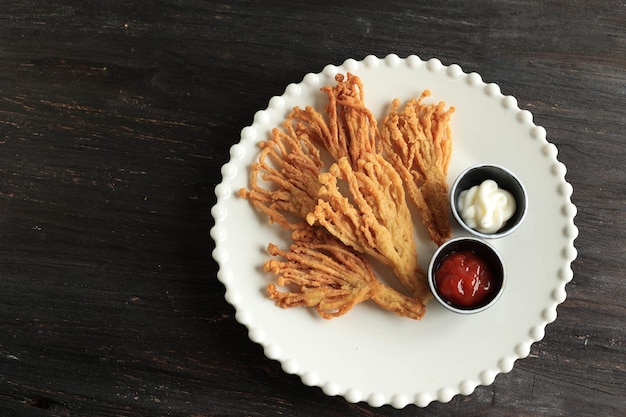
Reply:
x=464 y=279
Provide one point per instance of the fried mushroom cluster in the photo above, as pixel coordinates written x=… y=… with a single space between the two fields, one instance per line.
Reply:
x=356 y=210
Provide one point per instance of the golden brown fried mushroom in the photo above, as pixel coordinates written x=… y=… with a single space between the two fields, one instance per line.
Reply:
x=418 y=142
x=284 y=182
x=373 y=218
x=356 y=209
x=349 y=128
x=319 y=271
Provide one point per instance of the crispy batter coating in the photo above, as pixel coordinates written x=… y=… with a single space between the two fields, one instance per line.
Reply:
x=355 y=126
x=358 y=208
x=284 y=182
x=418 y=142
x=374 y=219
x=349 y=129
x=321 y=272
x=379 y=224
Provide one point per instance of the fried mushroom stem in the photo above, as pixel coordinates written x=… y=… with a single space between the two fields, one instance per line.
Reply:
x=319 y=271
x=284 y=182
x=349 y=128
x=417 y=140
x=373 y=218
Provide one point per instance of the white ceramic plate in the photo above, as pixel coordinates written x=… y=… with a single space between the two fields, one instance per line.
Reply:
x=370 y=354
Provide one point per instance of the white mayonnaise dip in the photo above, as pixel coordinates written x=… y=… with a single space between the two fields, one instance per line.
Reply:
x=486 y=207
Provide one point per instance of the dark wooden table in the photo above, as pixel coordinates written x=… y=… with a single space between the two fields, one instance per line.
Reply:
x=115 y=118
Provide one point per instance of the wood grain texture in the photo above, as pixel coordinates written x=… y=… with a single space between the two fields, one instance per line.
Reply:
x=115 y=118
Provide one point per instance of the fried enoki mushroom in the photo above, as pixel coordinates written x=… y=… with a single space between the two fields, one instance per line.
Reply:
x=319 y=271
x=374 y=219
x=350 y=129
x=355 y=125
x=326 y=266
x=351 y=136
x=284 y=185
x=418 y=142
x=284 y=182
